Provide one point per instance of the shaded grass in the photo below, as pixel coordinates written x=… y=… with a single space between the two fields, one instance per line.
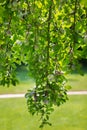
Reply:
x=70 y=116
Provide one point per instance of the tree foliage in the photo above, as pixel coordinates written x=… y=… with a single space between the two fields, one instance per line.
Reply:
x=49 y=36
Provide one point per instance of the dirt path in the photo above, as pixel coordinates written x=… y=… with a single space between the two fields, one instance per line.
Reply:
x=23 y=95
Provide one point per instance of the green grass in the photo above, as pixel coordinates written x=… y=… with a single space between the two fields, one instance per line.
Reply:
x=25 y=83
x=20 y=88
x=77 y=81
x=70 y=116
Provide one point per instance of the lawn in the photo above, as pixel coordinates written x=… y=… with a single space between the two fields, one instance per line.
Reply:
x=70 y=116
x=76 y=81
x=20 y=88
x=25 y=82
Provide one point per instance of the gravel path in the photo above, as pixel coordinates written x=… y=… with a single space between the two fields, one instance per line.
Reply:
x=23 y=95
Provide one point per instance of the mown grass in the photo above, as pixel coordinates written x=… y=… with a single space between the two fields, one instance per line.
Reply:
x=20 y=88
x=25 y=82
x=70 y=116
x=76 y=81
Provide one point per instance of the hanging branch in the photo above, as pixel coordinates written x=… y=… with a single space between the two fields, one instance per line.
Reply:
x=8 y=76
x=7 y=31
x=74 y=26
x=72 y=45
x=48 y=38
x=8 y=49
x=86 y=19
